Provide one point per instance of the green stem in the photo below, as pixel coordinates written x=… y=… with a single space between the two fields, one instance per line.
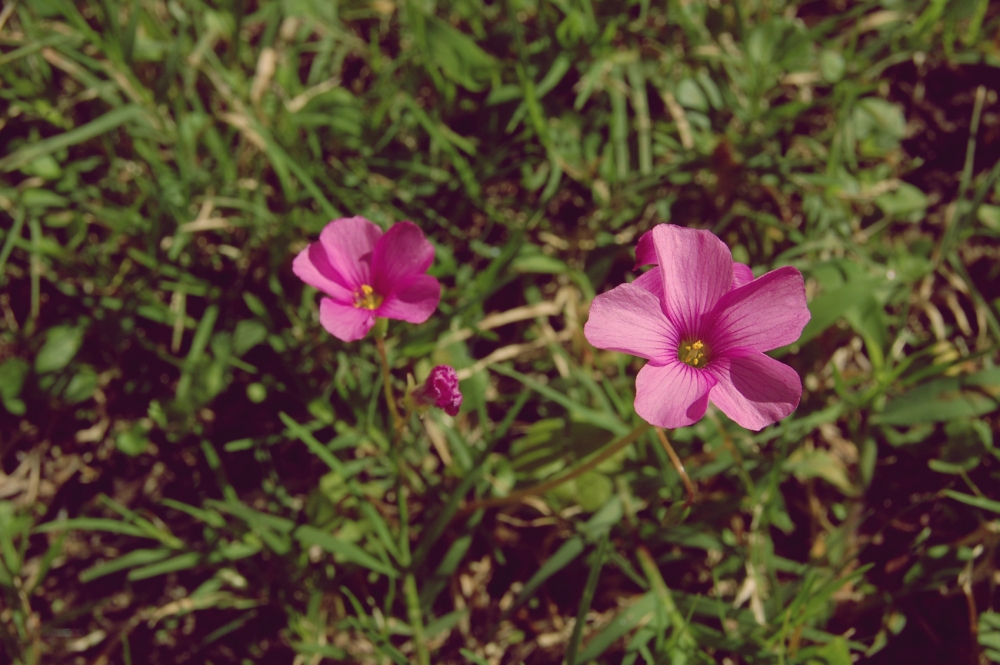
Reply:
x=541 y=488
x=397 y=422
x=416 y=618
x=410 y=594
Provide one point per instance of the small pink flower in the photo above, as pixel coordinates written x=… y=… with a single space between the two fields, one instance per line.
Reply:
x=367 y=274
x=440 y=390
x=703 y=323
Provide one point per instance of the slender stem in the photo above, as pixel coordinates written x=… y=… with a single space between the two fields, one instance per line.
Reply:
x=416 y=619
x=410 y=594
x=541 y=488
x=397 y=422
x=676 y=461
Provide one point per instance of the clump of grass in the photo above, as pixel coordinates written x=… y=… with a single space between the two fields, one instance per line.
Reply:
x=190 y=468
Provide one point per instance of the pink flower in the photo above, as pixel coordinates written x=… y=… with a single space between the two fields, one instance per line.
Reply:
x=440 y=390
x=703 y=323
x=367 y=274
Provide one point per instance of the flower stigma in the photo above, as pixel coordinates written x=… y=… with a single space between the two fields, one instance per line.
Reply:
x=693 y=353
x=366 y=298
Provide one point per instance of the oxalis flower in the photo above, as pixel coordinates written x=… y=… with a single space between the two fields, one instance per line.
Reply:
x=367 y=274
x=703 y=323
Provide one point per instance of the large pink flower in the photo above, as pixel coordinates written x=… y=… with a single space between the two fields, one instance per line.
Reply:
x=367 y=274
x=703 y=323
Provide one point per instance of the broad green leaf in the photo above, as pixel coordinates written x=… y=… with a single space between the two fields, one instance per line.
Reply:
x=944 y=399
x=906 y=201
x=811 y=463
x=12 y=375
x=593 y=489
x=61 y=345
x=82 y=386
x=133 y=441
x=878 y=125
x=248 y=334
x=832 y=65
x=831 y=305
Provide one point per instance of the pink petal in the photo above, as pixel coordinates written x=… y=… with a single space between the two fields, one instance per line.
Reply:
x=697 y=270
x=401 y=254
x=767 y=313
x=672 y=395
x=345 y=322
x=645 y=253
x=415 y=301
x=742 y=274
x=349 y=242
x=312 y=266
x=629 y=319
x=651 y=281
x=753 y=389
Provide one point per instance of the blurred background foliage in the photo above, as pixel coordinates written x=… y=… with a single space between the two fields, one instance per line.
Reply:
x=192 y=470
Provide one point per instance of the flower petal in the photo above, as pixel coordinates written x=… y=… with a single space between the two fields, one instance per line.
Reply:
x=414 y=301
x=742 y=274
x=697 y=270
x=345 y=322
x=651 y=281
x=401 y=254
x=628 y=318
x=753 y=389
x=672 y=395
x=645 y=253
x=349 y=242
x=312 y=266
x=767 y=313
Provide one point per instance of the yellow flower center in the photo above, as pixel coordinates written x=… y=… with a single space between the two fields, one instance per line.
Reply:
x=693 y=353
x=366 y=298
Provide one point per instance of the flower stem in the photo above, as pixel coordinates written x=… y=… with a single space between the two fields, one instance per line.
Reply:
x=676 y=461
x=416 y=618
x=411 y=596
x=541 y=488
x=397 y=422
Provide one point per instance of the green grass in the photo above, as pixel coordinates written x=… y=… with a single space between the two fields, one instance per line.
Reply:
x=192 y=469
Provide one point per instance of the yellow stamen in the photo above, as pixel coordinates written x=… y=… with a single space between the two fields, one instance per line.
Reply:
x=693 y=353
x=366 y=298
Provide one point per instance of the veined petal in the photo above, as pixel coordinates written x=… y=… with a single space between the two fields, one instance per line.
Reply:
x=645 y=252
x=651 y=281
x=742 y=274
x=753 y=389
x=402 y=253
x=697 y=270
x=672 y=395
x=312 y=266
x=414 y=301
x=345 y=322
x=349 y=242
x=629 y=319
x=767 y=313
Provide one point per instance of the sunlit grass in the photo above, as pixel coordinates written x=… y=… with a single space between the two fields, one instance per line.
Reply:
x=192 y=468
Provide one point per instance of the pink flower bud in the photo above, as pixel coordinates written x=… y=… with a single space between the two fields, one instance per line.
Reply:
x=440 y=390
